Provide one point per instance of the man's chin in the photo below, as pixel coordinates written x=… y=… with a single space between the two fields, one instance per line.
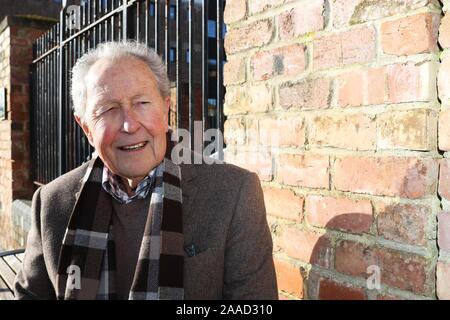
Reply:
x=136 y=172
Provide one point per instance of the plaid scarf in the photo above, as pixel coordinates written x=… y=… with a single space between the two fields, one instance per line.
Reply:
x=86 y=268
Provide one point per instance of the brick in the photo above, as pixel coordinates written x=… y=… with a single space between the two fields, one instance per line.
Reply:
x=304 y=170
x=444 y=31
x=284 y=203
x=289 y=278
x=398 y=269
x=249 y=36
x=331 y=290
x=19 y=75
x=444 y=178
x=234 y=131
x=405 y=271
x=339 y=213
x=327 y=52
x=362 y=87
x=443 y=280
x=308 y=94
x=234 y=71
x=14 y=41
x=444 y=231
x=247 y=99
x=411 y=82
x=405 y=223
x=302 y=20
x=237 y=100
x=413 y=130
x=410 y=35
x=289 y=60
x=306 y=246
x=444 y=80
x=257 y=6
x=258 y=162
x=444 y=130
x=253 y=133
x=282 y=132
x=406 y=177
x=350 y=12
x=235 y=10
x=21 y=55
x=356 y=132
x=389 y=297
x=354 y=46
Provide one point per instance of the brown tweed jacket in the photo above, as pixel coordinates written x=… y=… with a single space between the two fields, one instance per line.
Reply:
x=223 y=215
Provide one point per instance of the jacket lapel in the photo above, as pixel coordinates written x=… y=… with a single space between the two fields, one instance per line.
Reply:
x=189 y=190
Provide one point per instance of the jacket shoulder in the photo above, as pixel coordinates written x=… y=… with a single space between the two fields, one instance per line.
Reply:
x=65 y=185
x=225 y=172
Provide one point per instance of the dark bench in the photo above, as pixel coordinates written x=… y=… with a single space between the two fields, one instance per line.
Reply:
x=10 y=262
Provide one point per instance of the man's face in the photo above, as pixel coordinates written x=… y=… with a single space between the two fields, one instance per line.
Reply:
x=126 y=116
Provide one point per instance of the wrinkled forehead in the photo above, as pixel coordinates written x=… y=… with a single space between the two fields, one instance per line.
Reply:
x=124 y=74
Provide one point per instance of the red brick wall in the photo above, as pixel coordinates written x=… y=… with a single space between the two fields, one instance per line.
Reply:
x=335 y=104
x=16 y=38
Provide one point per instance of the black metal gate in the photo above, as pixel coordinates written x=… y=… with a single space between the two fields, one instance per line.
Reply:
x=188 y=34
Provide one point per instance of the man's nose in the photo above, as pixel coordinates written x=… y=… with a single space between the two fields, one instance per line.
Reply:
x=130 y=121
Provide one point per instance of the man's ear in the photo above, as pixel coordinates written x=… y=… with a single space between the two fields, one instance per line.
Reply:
x=85 y=128
x=166 y=109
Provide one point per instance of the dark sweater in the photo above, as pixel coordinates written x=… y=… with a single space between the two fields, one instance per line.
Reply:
x=129 y=223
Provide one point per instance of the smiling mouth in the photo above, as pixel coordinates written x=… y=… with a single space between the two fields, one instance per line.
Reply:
x=134 y=147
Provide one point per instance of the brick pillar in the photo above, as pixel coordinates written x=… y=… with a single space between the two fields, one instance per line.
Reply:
x=16 y=39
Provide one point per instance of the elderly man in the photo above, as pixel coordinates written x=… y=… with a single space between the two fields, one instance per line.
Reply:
x=132 y=223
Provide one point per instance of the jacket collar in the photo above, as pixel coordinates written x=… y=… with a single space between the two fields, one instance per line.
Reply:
x=188 y=187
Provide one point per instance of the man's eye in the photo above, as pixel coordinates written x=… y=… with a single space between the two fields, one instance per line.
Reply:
x=144 y=102
x=106 y=110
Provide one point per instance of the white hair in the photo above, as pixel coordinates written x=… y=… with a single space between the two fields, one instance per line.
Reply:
x=114 y=51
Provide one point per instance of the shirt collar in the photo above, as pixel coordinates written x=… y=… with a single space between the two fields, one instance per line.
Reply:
x=112 y=185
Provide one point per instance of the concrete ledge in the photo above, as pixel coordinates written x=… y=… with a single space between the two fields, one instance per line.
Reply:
x=21 y=219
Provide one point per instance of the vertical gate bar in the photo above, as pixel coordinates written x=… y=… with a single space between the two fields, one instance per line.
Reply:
x=120 y=22
x=62 y=93
x=43 y=111
x=51 y=101
x=69 y=124
x=100 y=26
x=47 y=111
x=47 y=142
x=108 y=8
x=220 y=58
x=147 y=14
x=138 y=20
x=72 y=128
x=113 y=22
x=32 y=116
x=94 y=18
x=55 y=101
x=124 y=20
x=156 y=11
x=190 y=64
x=179 y=64
x=166 y=34
x=75 y=148
x=50 y=139
x=41 y=173
x=205 y=64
